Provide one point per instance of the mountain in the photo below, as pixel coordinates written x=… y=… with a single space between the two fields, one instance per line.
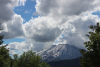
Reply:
x=66 y=63
x=59 y=52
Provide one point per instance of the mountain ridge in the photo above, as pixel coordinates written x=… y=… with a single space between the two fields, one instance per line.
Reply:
x=59 y=52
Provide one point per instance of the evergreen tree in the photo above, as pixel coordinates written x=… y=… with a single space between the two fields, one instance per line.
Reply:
x=4 y=53
x=91 y=56
x=1 y=36
x=28 y=59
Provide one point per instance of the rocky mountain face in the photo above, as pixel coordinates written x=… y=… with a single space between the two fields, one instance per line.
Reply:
x=59 y=52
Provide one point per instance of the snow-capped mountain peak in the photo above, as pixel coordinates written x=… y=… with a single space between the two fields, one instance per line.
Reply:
x=59 y=52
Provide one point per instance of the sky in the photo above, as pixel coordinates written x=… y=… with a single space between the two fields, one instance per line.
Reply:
x=37 y=24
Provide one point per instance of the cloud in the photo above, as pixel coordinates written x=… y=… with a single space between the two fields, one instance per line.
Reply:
x=65 y=7
x=13 y=28
x=21 y=2
x=6 y=11
x=11 y=22
x=27 y=11
x=18 y=46
x=42 y=29
x=18 y=10
x=6 y=8
x=29 y=44
x=75 y=32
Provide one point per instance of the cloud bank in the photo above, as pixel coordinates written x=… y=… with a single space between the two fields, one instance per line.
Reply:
x=70 y=18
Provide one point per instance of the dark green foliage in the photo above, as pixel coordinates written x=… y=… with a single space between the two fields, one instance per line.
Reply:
x=1 y=36
x=4 y=53
x=91 y=57
x=28 y=59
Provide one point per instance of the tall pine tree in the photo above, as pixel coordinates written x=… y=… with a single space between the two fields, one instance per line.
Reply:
x=91 y=57
x=1 y=36
x=4 y=53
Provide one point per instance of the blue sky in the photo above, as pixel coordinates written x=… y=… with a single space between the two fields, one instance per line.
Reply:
x=29 y=6
x=96 y=13
x=56 y=22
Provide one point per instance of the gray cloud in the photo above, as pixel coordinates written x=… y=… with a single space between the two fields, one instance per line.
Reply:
x=42 y=29
x=12 y=23
x=6 y=12
x=14 y=28
x=48 y=35
x=65 y=7
x=6 y=8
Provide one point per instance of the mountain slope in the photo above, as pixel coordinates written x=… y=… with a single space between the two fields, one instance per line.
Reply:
x=59 y=52
x=66 y=63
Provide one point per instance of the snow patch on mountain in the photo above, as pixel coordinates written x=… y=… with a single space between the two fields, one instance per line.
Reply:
x=59 y=52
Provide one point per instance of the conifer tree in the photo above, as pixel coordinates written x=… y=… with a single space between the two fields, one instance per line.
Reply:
x=29 y=59
x=4 y=53
x=1 y=36
x=91 y=57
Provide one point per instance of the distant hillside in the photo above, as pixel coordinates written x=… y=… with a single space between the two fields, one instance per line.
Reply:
x=66 y=63
x=59 y=52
